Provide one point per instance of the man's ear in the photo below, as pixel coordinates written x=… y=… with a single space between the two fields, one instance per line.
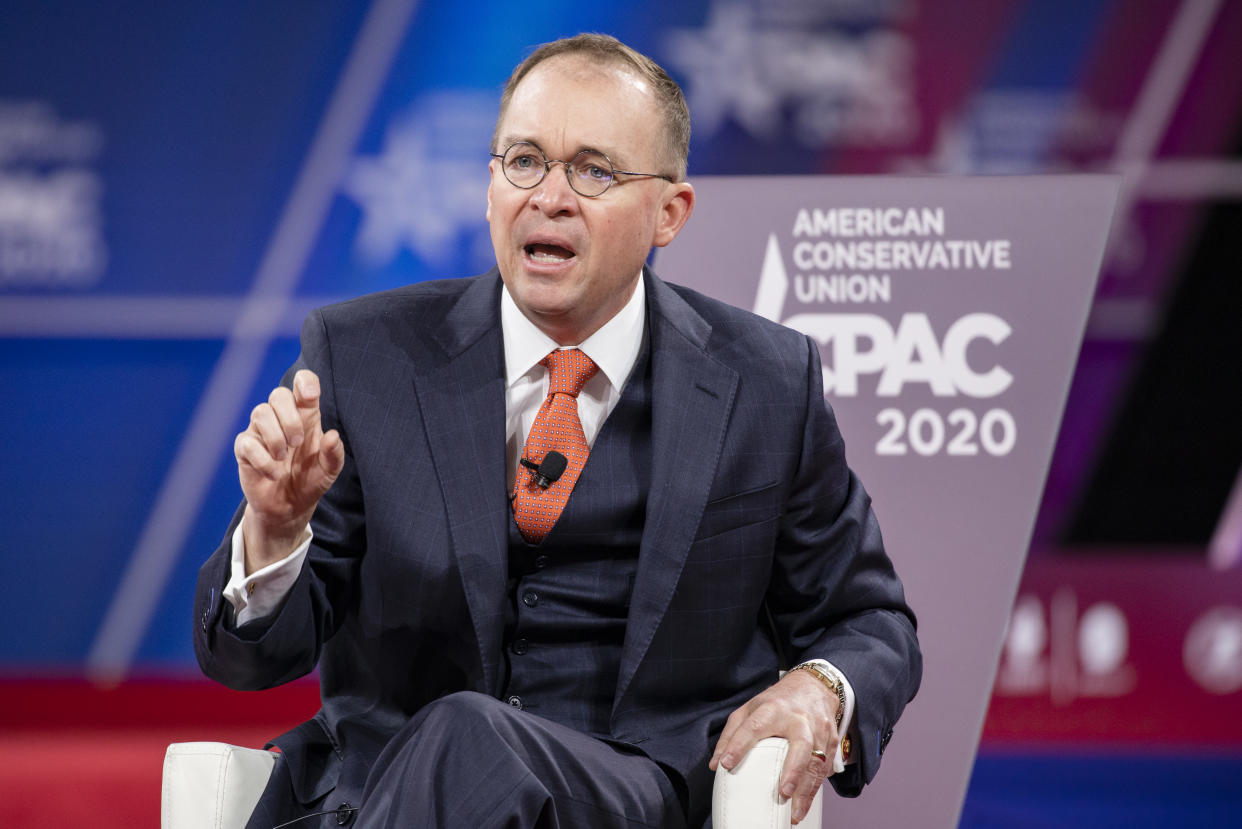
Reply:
x=675 y=210
x=491 y=168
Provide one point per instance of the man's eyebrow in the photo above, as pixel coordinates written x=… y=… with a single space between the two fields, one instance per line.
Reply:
x=617 y=159
x=507 y=141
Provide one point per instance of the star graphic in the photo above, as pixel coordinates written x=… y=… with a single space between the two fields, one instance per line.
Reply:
x=726 y=73
x=423 y=192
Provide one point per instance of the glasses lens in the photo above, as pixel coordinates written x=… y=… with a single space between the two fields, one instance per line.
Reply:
x=524 y=165
x=590 y=173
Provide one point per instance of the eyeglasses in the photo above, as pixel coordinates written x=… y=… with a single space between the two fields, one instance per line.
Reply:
x=590 y=172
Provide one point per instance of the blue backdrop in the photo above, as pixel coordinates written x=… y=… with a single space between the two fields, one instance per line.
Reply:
x=179 y=183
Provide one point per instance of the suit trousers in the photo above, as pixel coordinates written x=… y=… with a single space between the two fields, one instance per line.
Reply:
x=468 y=760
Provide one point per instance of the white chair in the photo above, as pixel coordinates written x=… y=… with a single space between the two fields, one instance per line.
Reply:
x=216 y=786
x=212 y=785
x=746 y=797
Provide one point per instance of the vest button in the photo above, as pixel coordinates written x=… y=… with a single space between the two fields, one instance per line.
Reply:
x=515 y=701
x=520 y=646
x=541 y=562
x=530 y=599
x=344 y=814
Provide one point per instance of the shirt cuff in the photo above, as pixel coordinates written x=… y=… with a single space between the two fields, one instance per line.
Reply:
x=260 y=593
x=840 y=761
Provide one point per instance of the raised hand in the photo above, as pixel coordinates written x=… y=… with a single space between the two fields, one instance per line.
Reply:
x=286 y=463
x=800 y=709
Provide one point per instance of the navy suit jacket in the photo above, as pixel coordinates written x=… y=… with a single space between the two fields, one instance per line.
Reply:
x=759 y=546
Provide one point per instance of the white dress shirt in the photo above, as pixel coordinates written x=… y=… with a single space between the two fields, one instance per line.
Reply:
x=614 y=348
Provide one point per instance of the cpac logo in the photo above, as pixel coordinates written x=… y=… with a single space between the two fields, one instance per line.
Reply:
x=867 y=344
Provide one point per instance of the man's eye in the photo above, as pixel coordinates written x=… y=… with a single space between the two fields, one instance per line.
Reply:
x=596 y=172
x=523 y=162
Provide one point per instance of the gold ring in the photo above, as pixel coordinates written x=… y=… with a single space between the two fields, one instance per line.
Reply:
x=820 y=754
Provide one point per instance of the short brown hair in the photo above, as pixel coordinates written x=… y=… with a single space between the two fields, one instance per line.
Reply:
x=607 y=49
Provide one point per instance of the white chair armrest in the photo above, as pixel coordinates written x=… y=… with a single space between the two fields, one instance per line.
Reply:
x=212 y=785
x=216 y=786
x=746 y=798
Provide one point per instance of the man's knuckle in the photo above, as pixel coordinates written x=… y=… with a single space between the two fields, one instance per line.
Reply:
x=760 y=719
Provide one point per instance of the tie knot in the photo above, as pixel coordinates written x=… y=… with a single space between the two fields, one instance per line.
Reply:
x=568 y=371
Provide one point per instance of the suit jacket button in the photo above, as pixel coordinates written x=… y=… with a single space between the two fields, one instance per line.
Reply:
x=515 y=701
x=520 y=646
x=541 y=562
x=530 y=599
x=344 y=818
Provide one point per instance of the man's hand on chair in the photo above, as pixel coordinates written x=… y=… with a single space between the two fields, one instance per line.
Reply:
x=800 y=709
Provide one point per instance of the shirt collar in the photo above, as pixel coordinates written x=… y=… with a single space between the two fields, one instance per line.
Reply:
x=614 y=347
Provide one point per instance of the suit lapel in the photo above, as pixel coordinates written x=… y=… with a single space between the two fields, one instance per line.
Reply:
x=692 y=397
x=460 y=389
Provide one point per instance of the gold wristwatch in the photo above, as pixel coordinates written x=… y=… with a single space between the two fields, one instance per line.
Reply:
x=832 y=680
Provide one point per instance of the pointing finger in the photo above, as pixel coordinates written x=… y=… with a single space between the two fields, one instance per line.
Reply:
x=306 y=388
x=306 y=398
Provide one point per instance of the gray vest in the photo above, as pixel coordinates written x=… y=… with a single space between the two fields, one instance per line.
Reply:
x=569 y=596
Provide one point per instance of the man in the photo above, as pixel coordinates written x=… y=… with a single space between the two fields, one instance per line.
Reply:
x=493 y=652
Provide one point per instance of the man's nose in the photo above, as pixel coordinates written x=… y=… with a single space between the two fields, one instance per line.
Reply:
x=553 y=195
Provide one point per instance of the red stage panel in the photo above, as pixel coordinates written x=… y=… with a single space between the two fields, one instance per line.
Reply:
x=75 y=754
x=1122 y=648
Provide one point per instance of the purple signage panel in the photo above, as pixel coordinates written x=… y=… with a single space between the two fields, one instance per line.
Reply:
x=949 y=314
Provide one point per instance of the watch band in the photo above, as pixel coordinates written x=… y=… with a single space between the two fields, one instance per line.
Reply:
x=832 y=680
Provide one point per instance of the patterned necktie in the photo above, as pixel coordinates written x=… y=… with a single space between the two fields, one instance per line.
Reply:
x=556 y=427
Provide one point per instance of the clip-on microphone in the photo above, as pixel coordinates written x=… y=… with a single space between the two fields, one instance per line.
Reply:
x=551 y=468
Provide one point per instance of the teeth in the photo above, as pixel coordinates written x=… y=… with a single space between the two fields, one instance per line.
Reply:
x=548 y=253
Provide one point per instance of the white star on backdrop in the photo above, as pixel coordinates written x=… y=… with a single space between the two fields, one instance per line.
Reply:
x=725 y=76
x=426 y=189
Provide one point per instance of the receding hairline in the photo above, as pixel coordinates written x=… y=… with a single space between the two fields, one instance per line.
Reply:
x=580 y=68
x=601 y=52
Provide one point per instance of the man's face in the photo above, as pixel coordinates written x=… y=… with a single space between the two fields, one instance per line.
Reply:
x=571 y=262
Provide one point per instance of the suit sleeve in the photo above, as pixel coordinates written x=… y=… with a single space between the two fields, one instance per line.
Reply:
x=834 y=593
x=287 y=644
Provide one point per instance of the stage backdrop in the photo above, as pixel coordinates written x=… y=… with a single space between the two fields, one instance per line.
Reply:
x=949 y=313
x=180 y=182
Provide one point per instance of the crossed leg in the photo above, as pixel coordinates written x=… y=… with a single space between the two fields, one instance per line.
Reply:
x=468 y=760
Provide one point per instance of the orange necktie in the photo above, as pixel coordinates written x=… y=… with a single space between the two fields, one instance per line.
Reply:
x=556 y=427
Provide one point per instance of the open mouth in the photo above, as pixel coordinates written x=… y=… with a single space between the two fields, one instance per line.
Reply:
x=541 y=252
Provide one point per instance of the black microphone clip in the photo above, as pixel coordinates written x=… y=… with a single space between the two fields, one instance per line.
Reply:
x=547 y=471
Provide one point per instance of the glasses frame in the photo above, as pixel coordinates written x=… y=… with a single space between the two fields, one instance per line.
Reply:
x=548 y=162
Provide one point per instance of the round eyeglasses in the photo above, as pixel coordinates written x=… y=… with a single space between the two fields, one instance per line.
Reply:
x=590 y=173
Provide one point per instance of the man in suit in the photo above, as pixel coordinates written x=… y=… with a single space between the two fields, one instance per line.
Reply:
x=492 y=651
